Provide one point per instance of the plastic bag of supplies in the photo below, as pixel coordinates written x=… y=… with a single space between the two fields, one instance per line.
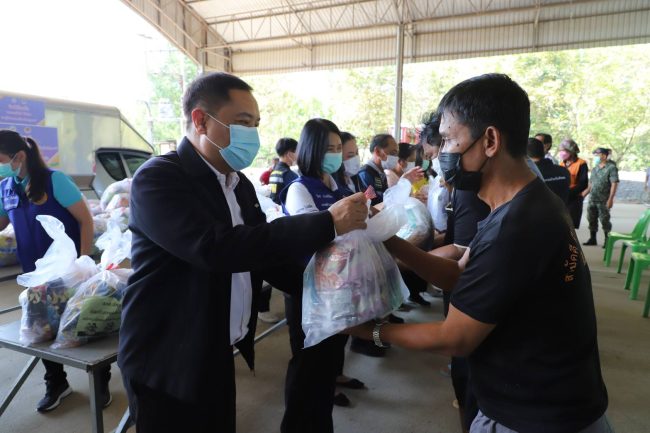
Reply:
x=122 y=189
x=418 y=228
x=393 y=216
x=94 y=310
x=51 y=284
x=352 y=280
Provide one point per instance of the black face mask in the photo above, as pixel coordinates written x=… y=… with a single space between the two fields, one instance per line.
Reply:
x=453 y=173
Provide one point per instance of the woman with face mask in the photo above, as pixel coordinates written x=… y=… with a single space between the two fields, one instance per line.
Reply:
x=30 y=189
x=314 y=372
x=579 y=171
x=405 y=162
x=347 y=176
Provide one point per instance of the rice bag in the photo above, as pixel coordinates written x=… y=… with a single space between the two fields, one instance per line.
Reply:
x=419 y=227
x=121 y=187
x=352 y=280
x=51 y=284
x=95 y=309
x=8 y=247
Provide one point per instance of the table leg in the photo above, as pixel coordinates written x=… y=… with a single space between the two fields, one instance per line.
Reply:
x=19 y=382
x=95 y=408
x=125 y=424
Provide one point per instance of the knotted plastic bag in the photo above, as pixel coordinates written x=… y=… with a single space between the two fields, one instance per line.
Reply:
x=95 y=309
x=352 y=280
x=393 y=216
x=418 y=229
x=122 y=188
x=51 y=284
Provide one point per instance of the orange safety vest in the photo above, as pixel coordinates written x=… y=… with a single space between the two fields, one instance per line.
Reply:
x=574 y=168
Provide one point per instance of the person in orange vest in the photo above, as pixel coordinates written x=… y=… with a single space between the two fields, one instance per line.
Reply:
x=579 y=171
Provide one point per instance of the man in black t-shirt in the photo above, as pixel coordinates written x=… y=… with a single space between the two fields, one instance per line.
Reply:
x=556 y=177
x=533 y=361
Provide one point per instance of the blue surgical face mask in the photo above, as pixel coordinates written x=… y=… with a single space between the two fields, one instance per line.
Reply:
x=243 y=147
x=596 y=160
x=7 y=171
x=332 y=162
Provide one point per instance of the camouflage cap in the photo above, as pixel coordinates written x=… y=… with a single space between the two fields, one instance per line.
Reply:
x=570 y=146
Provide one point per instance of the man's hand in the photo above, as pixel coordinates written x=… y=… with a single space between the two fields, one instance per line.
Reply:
x=350 y=213
x=610 y=203
x=413 y=175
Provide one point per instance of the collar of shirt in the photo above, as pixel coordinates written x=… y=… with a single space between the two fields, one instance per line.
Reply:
x=373 y=165
x=21 y=182
x=229 y=181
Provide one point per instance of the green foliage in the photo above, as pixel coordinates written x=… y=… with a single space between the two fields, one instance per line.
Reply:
x=599 y=97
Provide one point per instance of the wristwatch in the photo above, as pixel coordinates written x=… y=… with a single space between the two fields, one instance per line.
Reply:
x=375 y=335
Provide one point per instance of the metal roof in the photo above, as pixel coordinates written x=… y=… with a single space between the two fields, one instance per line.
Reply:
x=264 y=36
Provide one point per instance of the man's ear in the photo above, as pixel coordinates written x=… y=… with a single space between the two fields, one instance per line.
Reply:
x=198 y=119
x=493 y=142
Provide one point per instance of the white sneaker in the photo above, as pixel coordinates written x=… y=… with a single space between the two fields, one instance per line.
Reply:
x=268 y=317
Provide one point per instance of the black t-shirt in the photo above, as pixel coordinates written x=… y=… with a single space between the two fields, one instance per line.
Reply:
x=557 y=178
x=462 y=222
x=539 y=369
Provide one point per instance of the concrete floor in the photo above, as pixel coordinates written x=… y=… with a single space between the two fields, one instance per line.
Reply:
x=405 y=392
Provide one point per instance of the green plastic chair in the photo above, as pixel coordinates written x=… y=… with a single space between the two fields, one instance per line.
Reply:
x=635 y=247
x=638 y=262
x=638 y=234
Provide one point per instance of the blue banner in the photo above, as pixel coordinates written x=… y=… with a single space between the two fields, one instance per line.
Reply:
x=46 y=137
x=21 y=111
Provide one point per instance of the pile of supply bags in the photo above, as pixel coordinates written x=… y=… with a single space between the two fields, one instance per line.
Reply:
x=73 y=299
x=113 y=206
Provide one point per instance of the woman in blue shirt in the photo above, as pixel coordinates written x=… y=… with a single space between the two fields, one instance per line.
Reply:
x=314 y=372
x=29 y=189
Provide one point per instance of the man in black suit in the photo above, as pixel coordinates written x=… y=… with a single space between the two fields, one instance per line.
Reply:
x=201 y=248
x=556 y=177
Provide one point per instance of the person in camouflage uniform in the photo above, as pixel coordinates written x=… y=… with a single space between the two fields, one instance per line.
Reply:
x=602 y=187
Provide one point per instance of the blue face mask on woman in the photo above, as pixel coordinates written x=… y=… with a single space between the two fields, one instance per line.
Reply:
x=332 y=162
x=7 y=171
x=243 y=147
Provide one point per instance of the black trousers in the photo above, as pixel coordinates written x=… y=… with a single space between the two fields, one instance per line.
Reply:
x=156 y=412
x=311 y=377
x=415 y=284
x=575 y=210
x=264 y=299
x=55 y=373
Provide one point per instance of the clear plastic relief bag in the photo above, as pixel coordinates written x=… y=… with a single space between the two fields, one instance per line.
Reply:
x=352 y=280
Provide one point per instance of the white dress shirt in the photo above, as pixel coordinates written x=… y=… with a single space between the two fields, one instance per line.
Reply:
x=241 y=290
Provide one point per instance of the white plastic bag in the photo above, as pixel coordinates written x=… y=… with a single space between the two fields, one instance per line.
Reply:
x=121 y=187
x=51 y=284
x=419 y=227
x=349 y=282
x=437 y=202
x=271 y=209
x=95 y=308
x=393 y=216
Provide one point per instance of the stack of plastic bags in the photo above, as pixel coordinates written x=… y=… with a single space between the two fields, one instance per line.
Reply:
x=8 y=247
x=355 y=279
x=49 y=287
x=95 y=309
x=114 y=206
x=70 y=298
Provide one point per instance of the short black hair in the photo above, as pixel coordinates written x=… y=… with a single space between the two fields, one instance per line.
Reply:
x=312 y=146
x=210 y=91
x=405 y=150
x=430 y=133
x=285 y=145
x=379 y=140
x=491 y=100
x=346 y=136
x=535 y=148
x=546 y=138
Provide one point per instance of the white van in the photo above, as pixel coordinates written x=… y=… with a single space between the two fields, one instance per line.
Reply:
x=94 y=144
